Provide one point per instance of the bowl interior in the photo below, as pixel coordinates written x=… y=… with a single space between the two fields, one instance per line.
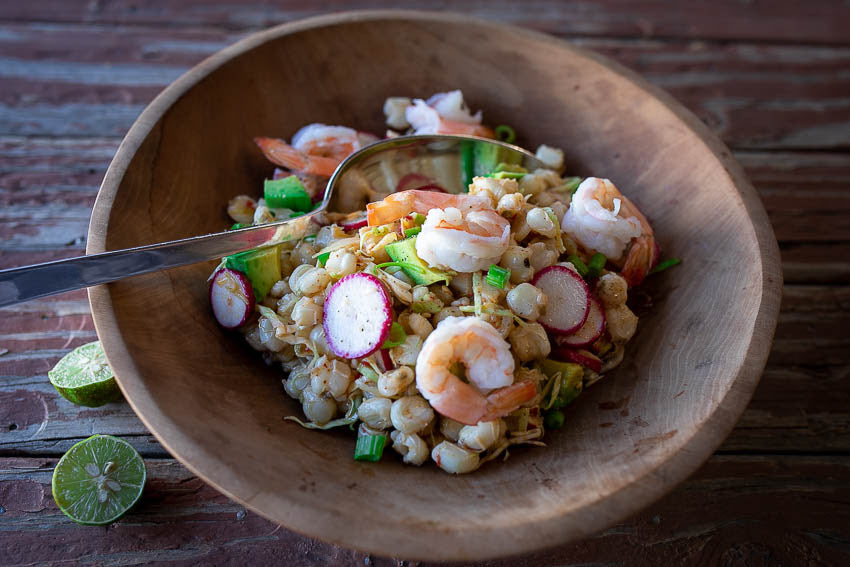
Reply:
x=215 y=405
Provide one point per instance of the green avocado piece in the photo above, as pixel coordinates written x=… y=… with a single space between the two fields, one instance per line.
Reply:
x=262 y=267
x=405 y=251
x=287 y=193
x=571 y=379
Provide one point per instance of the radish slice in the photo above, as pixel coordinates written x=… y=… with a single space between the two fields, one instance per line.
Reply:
x=355 y=224
x=568 y=299
x=385 y=360
x=412 y=181
x=231 y=297
x=579 y=356
x=357 y=316
x=592 y=329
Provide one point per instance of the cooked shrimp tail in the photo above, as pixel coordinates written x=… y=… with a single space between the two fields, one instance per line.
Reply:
x=279 y=152
x=397 y=205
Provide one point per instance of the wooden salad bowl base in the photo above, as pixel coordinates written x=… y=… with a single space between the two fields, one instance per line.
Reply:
x=628 y=440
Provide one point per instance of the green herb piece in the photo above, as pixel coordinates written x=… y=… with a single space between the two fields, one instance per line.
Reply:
x=403 y=265
x=426 y=307
x=397 y=336
x=553 y=419
x=505 y=133
x=413 y=231
x=310 y=238
x=367 y=372
x=287 y=193
x=580 y=266
x=370 y=448
x=596 y=264
x=507 y=175
x=323 y=258
x=661 y=266
x=497 y=276
x=417 y=218
x=239 y=225
x=571 y=184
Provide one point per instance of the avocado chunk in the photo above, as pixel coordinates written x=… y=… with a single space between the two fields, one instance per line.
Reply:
x=405 y=251
x=571 y=379
x=261 y=267
x=287 y=193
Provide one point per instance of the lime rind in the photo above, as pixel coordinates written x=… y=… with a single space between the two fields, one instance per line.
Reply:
x=98 y=480
x=83 y=377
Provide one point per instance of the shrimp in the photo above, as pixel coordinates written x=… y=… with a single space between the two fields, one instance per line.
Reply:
x=316 y=149
x=461 y=232
x=425 y=119
x=601 y=218
x=490 y=393
x=279 y=152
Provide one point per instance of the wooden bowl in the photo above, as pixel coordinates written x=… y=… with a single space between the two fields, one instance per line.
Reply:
x=628 y=440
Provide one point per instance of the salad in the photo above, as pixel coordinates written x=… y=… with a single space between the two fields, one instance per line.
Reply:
x=448 y=327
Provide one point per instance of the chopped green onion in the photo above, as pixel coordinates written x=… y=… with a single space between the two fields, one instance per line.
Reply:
x=397 y=336
x=571 y=184
x=594 y=267
x=369 y=448
x=403 y=265
x=476 y=292
x=323 y=258
x=417 y=218
x=367 y=372
x=412 y=231
x=239 y=225
x=580 y=266
x=665 y=264
x=380 y=230
x=497 y=276
x=310 y=238
x=507 y=175
x=505 y=133
x=287 y=193
x=553 y=419
x=513 y=167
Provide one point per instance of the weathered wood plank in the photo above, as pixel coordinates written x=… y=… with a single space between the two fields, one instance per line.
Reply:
x=733 y=525
x=801 y=404
x=786 y=20
x=107 y=74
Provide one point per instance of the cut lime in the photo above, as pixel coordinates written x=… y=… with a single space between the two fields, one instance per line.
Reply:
x=83 y=377
x=98 y=480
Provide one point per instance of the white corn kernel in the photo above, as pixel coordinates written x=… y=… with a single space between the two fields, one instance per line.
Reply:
x=454 y=459
x=411 y=414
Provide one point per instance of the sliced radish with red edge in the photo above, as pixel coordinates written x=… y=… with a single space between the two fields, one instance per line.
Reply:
x=578 y=356
x=231 y=297
x=357 y=316
x=354 y=224
x=592 y=329
x=386 y=363
x=568 y=299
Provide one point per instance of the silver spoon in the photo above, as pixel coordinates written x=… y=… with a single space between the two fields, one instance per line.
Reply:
x=455 y=159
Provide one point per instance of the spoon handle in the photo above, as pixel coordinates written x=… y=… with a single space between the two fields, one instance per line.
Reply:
x=40 y=280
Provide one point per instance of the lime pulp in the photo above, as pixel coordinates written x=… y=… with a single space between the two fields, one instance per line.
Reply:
x=83 y=377
x=98 y=480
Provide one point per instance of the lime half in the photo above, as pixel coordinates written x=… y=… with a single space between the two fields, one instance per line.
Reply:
x=98 y=480
x=83 y=377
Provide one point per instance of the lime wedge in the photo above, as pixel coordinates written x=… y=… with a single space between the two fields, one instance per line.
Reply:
x=98 y=480
x=83 y=377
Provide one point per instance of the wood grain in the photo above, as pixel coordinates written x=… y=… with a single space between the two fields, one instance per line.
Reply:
x=782 y=78
x=787 y=20
x=717 y=517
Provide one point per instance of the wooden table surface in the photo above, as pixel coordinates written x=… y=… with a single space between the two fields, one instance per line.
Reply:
x=772 y=79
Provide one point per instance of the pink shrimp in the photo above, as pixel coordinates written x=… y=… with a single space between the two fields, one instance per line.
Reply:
x=491 y=392
x=602 y=219
x=401 y=204
x=279 y=152
x=316 y=149
x=426 y=119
